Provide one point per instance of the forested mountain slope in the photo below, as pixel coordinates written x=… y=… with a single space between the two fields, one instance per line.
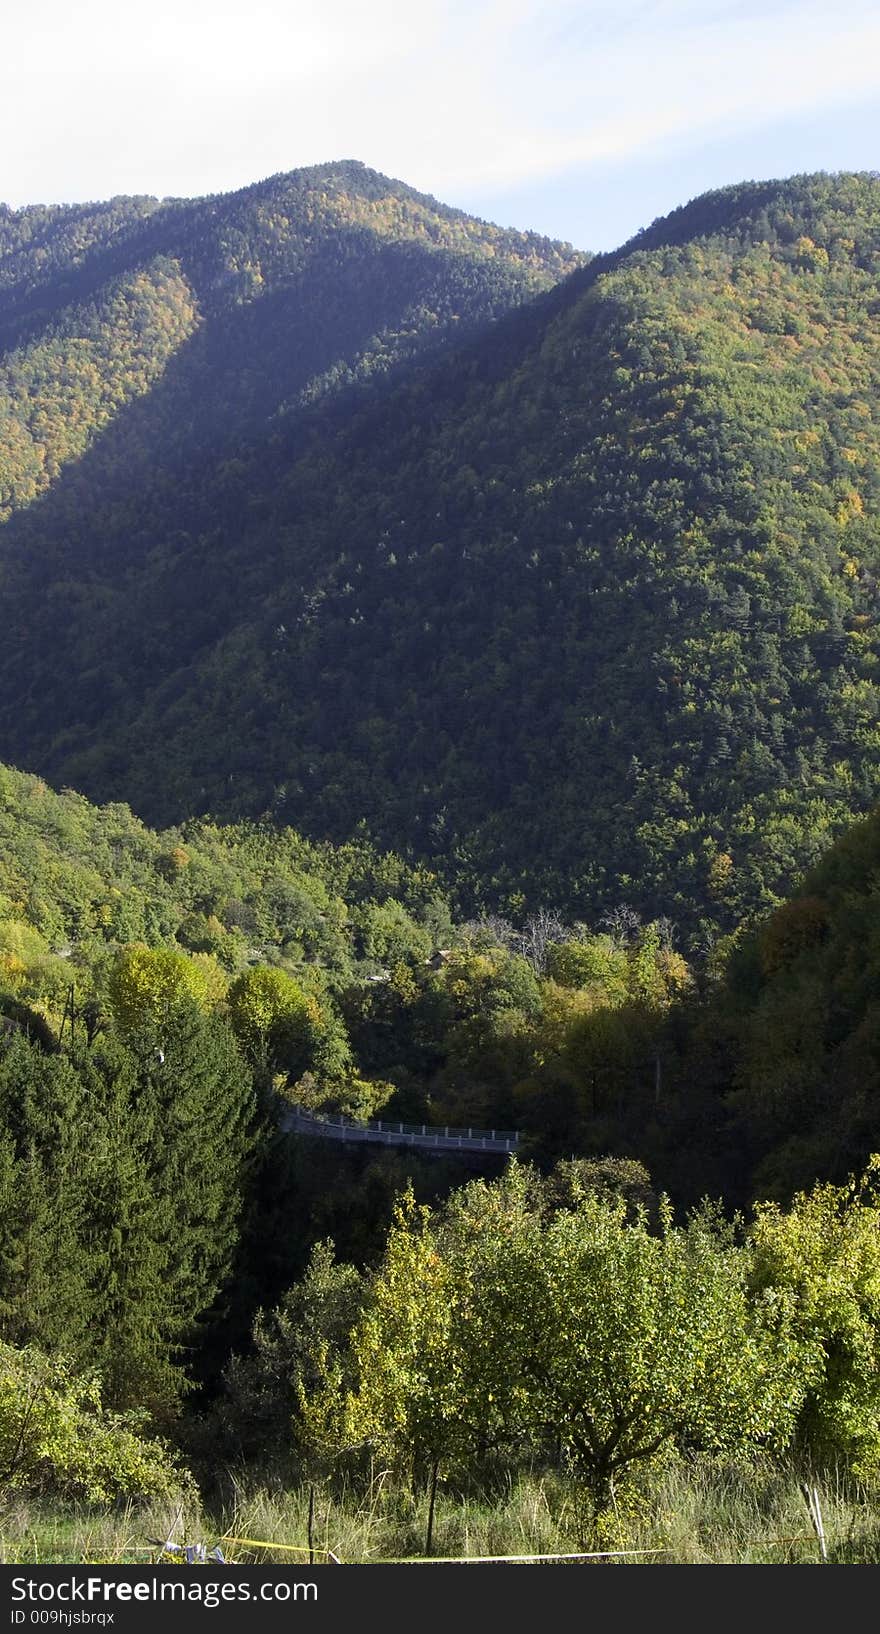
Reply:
x=586 y=612
x=77 y=880
x=242 y=307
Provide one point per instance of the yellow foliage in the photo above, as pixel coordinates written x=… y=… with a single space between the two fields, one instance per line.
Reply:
x=216 y=981
x=12 y=972
x=720 y=872
x=562 y=1006
x=851 y=505
x=675 y=971
x=147 y=984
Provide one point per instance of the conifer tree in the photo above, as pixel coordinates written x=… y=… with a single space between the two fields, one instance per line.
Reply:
x=134 y=1330
x=177 y=1117
x=46 y=1166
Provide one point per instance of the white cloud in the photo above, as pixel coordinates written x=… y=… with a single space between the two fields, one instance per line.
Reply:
x=184 y=97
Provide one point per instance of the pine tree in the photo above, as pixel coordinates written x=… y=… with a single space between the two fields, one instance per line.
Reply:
x=177 y=1115
x=134 y=1329
x=46 y=1166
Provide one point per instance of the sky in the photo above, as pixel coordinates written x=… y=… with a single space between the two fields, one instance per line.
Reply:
x=581 y=119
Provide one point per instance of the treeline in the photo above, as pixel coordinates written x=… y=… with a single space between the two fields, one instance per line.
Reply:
x=555 y=1323
x=170 y=1264
x=780 y=1065
x=746 y=1072
x=342 y=970
x=77 y=879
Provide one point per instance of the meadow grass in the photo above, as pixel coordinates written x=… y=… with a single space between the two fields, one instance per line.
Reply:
x=703 y=1512
x=42 y=1533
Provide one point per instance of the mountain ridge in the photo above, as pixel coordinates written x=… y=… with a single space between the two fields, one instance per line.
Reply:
x=581 y=612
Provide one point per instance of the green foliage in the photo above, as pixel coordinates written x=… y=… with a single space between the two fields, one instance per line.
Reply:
x=598 y=963
x=149 y=985
x=610 y=1178
x=579 y=607
x=390 y=935
x=122 y=1175
x=348 y=1095
x=582 y=1331
x=824 y=1253
x=47 y=1158
x=787 y=1048
x=97 y=304
x=130 y=921
x=411 y=1400
x=622 y=1342
x=794 y=929
x=263 y=1412
x=57 y=1438
x=273 y=1019
x=585 y=608
x=178 y=1189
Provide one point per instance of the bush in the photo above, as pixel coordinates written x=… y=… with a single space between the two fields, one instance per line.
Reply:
x=57 y=1438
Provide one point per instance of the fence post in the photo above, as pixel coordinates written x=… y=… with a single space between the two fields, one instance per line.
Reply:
x=812 y=1496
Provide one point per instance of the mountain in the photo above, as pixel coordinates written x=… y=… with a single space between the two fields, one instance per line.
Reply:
x=582 y=608
x=228 y=312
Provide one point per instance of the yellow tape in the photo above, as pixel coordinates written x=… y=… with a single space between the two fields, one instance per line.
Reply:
x=600 y=1554
x=290 y=1548
x=467 y=1560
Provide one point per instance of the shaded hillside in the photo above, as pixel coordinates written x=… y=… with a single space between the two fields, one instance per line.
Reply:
x=585 y=614
x=284 y=292
x=788 y=1050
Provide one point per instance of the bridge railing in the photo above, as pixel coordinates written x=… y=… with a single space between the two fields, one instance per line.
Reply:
x=386 y=1131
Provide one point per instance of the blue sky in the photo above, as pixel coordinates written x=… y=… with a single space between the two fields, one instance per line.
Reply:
x=601 y=205
x=584 y=119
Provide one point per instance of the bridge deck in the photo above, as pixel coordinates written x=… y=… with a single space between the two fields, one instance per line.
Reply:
x=433 y=1138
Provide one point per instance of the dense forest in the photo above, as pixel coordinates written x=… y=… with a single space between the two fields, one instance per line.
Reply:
x=228 y=313
x=580 y=610
x=187 y=1289
x=473 y=644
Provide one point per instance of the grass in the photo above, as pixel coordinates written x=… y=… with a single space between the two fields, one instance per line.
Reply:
x=709 y=1512
x=36 y=1533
